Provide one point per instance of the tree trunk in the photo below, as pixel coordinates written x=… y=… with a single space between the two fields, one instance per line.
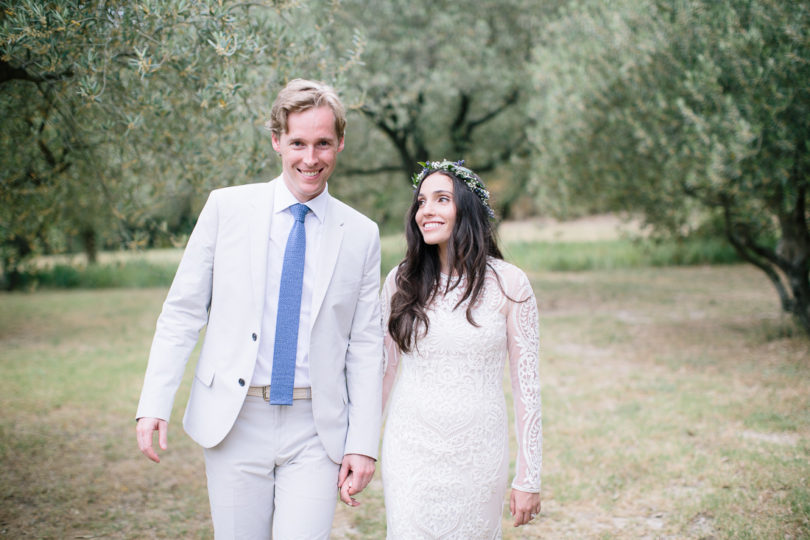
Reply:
x=794 y=255
x=13 y=270
x=789 y=262
x=801 y=298
x=88 y=236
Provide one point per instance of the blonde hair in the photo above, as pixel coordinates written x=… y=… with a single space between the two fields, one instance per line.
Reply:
x=301 y=95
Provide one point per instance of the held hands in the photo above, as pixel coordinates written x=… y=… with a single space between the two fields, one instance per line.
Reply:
x=355 y=474
x=144 y=429
x=524 y=506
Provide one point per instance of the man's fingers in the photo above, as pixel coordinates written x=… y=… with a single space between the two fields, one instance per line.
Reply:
x=145 y=430
x=344 y=472
x=163 y=434
x=145 y=444
x=360 y=481
x=360 y=469
x=150 y=453
x=345 y=493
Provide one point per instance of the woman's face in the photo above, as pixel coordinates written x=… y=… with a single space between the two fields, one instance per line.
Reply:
x=436 y=211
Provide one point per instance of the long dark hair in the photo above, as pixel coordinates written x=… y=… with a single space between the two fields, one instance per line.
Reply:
x=419 y=274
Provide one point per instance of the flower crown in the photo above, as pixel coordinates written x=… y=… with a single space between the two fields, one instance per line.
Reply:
x=459 y=171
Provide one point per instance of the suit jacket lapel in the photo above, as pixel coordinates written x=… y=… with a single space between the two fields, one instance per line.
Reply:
x=330 y=247
x=260 y=222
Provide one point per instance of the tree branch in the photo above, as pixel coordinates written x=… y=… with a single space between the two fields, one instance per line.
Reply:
x=504 y=155
x=11 y=73
x=510 y=100
x=462 y=128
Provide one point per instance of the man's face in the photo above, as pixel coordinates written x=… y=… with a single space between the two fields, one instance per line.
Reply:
x=308 y=151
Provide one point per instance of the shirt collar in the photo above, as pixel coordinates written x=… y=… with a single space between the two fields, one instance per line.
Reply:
x=284 y=199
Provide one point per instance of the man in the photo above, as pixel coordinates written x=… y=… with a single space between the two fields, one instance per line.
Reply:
x=286 y=395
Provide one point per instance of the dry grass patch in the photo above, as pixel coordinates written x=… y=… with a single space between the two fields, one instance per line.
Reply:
x=674 y=408
x=70 y=364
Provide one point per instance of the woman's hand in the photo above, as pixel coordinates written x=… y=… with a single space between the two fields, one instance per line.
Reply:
x=524 y=506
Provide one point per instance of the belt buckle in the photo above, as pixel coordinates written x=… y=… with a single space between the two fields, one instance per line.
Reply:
x=265 y=393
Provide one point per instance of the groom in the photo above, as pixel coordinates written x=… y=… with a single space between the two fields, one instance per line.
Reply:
x=286 y=395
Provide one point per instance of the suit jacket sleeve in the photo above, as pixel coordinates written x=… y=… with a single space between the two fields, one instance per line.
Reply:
x=364 y=359
x=184 y=314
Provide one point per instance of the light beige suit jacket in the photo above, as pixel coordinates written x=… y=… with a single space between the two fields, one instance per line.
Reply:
x=221 y=283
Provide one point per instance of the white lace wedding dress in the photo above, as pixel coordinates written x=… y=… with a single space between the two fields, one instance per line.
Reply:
x=445 y=454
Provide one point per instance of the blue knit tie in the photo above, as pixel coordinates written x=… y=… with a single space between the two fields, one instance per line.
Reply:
x=289 y=310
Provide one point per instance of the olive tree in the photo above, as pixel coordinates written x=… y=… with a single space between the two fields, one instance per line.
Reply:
x=115 y=116
x=687 y=111
x=440 y=79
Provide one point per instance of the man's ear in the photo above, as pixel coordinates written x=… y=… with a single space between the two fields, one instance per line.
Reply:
x=276 y=143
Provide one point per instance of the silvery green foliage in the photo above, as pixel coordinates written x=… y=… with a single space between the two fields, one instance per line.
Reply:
x=440 y=79
x=116 y=116
x=689 y=112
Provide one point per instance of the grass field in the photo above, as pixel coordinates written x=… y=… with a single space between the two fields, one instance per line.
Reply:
x=676 y=405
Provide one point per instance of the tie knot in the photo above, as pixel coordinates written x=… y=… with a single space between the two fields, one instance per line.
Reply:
x=299 y=211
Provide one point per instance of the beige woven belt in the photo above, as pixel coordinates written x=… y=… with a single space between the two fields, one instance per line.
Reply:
x=264 y=392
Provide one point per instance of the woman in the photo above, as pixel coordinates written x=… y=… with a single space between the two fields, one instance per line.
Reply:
x=453 y=310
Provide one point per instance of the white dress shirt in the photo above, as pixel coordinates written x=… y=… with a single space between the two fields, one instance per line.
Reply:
x=282 y=223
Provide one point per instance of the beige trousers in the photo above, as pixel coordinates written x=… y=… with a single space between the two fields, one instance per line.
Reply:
x=271 y=478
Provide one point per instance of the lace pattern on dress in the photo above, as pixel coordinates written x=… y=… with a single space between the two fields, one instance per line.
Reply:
x=445 y=450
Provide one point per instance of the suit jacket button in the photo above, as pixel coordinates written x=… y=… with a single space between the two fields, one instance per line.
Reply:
x=254 y=336
x=241 y=382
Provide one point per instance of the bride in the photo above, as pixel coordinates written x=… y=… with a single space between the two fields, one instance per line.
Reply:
x=453 y=311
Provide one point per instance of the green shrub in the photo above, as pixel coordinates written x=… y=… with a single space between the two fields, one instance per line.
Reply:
x=130 y=274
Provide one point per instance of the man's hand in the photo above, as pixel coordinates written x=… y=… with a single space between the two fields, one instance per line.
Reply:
x=355 y=474
x=144 y=429
x=524 y=506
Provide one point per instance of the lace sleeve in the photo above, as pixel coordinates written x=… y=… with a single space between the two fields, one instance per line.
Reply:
x=390 y=350
x=523 y=344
